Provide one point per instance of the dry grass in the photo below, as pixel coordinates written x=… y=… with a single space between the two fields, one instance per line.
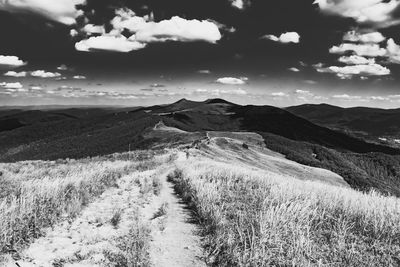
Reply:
x=252 y=218
x=36 y=195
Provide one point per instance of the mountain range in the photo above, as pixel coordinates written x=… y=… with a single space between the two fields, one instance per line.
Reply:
x=318 y=136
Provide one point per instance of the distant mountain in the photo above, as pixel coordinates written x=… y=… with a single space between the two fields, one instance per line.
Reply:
x=378 y=125
x=85 y=132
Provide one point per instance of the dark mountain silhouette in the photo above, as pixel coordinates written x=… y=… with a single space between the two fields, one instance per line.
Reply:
x=368 y=123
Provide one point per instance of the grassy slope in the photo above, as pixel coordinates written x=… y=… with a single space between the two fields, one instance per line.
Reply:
x=36 y=195
x=253 y=219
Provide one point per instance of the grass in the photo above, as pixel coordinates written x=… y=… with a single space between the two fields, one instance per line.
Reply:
x=251 y=218
x=37 y=194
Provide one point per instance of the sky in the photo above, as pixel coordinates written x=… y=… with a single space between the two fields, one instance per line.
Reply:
x=145 y=52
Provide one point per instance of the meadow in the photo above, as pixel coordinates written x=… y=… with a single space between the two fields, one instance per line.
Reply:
x=36 y=195
x=253 y=218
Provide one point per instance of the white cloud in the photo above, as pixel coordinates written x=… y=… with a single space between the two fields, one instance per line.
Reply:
x=13 y=85
x=240 y=4
x=204 y=71
x=346 y=97
x=109 y=43
x=288 y=37
x=93 y=29
x=174 y=29
x=348 y=72
x=62 y=11
x=62 y=67
x=11 y=61
x=232 y=80
x=45 y=74
x=304 y=93
x=279 y=94
x=371 y=37
x=15 y=74
x=238 y=91
x=370 y=50
x=378 y=12
x=356 y=60
x=79 y=77
x=35 y=87
x=393 y=51
x=294 y=69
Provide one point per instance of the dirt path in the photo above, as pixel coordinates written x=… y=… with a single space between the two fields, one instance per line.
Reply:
x=115 y=221
x=174 y=238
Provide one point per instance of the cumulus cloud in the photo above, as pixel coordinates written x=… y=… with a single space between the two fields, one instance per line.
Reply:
x=62 y=11
x=12 y=85
x=304 y=92
x=356 y=60
x=370 y=50
x=174 y=29
x=79 y=77
x=348 y=72
x=93 y=29
x=294 y=69
x=240 y=4
x=279 y=94
x=346 y=97
x=143 y=31
x=238 y=91
x=15 y=74
x=35 y=87
x=288 y=37
x=204 y=71
x=393 y=51
x=376 y=12
x=232 y=80
x=371 y=37
x=11 y=61
x=45 y=74
x=109 y=43
x=62 y=67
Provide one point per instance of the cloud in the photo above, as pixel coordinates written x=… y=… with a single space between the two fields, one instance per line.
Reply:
x=35 y=87
x=79 y=77
x=63 y=67
x=232 y=80
x=13 y=85
x=393 y=51
x=356 y=60
x=62 y=11
x=157 y=85
x=288 y=37
x=346 y=97
x=108 y=43
x=348 y=72
x=240 y=4
x=370 y=50
x=294 y=69
x=279 y=94
x=238 y=91
x=372 y=37
x=173 y=29
x=45 y=74
x=93 y=29
x=304 y=93
x=15 y=74
x=204 y=71
x=376 y=12
x=11 y=61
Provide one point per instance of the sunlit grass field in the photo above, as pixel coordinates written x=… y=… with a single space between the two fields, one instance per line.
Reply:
x=35 y=195
x=253 y=218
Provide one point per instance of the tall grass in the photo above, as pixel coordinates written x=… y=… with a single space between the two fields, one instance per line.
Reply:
x=36 y=195
x=252 y=218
